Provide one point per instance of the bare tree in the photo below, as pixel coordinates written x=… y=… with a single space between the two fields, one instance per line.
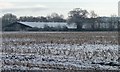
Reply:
x=113 y=22
x=93 y=19
x=8 y=19
x=54 y=17
x=93 y=14
x=77 y=16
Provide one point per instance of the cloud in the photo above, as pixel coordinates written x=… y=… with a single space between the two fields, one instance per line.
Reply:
x=16 y=6
x=5 y=5
x=24 y=8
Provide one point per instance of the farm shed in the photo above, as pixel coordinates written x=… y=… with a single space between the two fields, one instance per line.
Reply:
x=16 y=26
x=50 y=24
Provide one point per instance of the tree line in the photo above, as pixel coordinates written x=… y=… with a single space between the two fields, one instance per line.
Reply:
x=83 y=19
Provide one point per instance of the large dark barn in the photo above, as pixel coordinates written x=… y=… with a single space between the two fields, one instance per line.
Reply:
x=16 y=26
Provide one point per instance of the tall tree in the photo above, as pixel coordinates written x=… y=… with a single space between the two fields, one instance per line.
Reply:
x=113 y=22
x=93 y=14
x=78 y=17
x=54 y=17
x=93 y=19
x=8 y=19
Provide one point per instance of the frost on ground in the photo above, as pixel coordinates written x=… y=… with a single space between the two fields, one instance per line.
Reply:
x=29 y=54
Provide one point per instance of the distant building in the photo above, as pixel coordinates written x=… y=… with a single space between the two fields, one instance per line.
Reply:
x=16 y=26
x=50 y=24
x=36 y=26
x=119 y=8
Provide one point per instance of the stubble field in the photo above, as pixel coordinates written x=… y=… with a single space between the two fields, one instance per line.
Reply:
x=59 y=50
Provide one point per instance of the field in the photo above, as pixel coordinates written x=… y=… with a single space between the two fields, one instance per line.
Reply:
x=60 y=50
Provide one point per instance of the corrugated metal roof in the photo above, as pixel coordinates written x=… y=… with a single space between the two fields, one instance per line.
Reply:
x=50 y=24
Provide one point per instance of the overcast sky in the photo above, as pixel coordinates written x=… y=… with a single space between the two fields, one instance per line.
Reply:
x=46 y=7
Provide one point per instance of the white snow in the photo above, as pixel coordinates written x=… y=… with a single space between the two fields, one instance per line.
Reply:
x=57 y=55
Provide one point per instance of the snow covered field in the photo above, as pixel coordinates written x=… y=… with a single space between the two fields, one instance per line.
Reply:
x=36 y=51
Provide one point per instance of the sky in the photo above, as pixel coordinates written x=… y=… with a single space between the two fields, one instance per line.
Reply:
x=46 y=7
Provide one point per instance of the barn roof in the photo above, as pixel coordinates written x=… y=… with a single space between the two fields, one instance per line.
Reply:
x=16 y=26
x=50 y=24
x=15 y=23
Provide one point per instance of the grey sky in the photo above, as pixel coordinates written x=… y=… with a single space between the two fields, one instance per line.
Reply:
x=46 y=7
